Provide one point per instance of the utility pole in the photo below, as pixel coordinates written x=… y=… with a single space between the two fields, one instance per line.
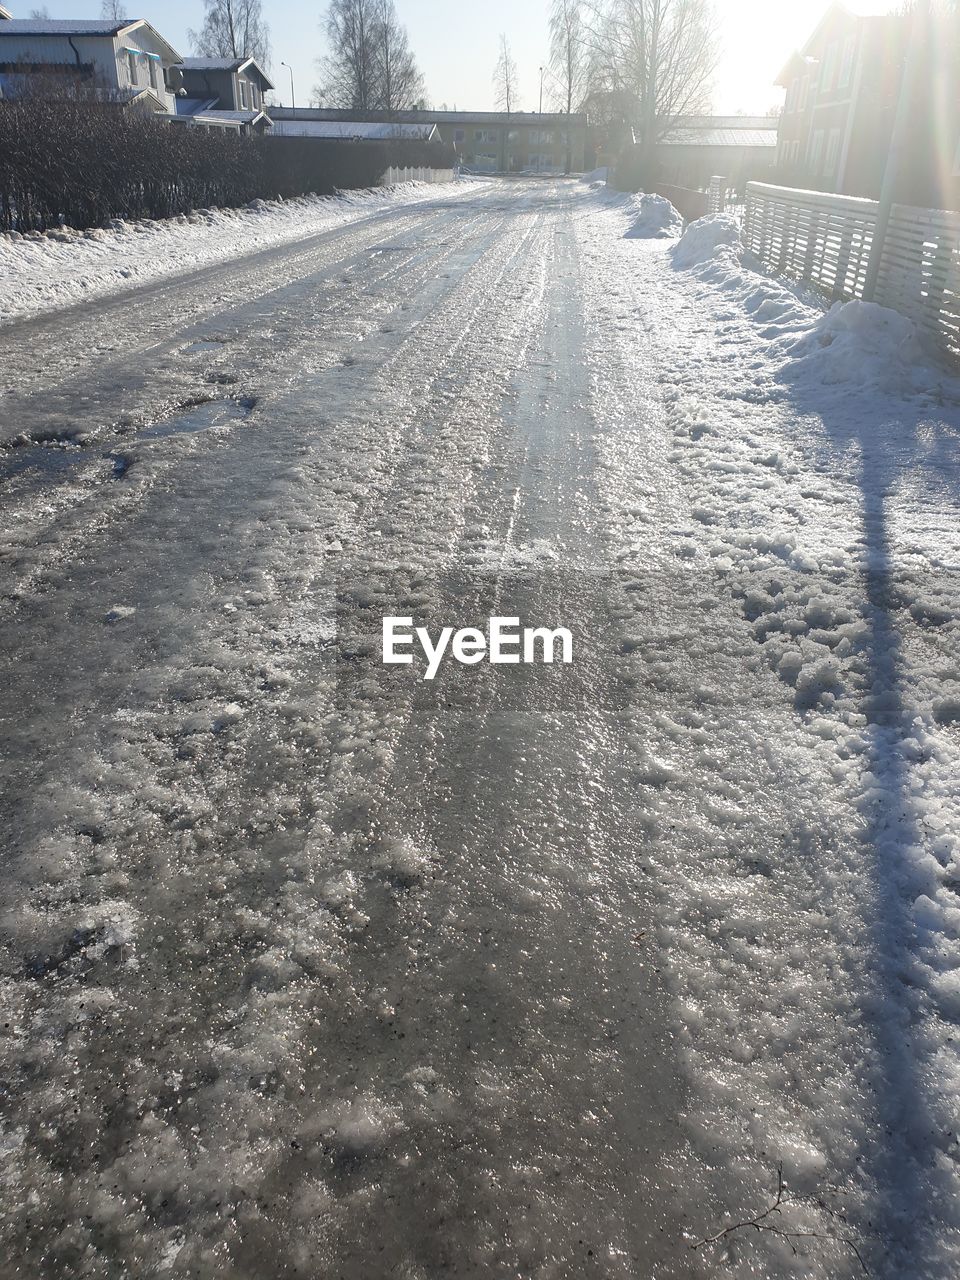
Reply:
x=293 y=99
x=899 y=143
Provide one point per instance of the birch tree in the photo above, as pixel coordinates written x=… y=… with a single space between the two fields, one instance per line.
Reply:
x=369 y=65
x=233 y=29
x=568 y=58
x=506 y=92
x=398 y=82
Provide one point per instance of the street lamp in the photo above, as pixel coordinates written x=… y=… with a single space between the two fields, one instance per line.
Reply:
x=293 y=99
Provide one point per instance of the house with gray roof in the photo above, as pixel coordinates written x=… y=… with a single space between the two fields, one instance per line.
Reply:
x=225 y=91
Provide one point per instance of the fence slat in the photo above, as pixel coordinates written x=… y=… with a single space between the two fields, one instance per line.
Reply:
x=825 y=241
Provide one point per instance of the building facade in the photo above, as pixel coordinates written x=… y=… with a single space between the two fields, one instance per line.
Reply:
x=224 y=91
x=739 y=148
x=841 y=99
x=485 y=141
x=125 y=60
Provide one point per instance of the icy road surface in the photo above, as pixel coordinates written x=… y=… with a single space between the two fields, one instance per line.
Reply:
x=313 y=972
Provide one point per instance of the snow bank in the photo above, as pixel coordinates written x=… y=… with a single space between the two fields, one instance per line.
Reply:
x=859 y=342
x=854 y=342
x=44 y=272
x=812 y=953
x=656 y=219
x=596 y=177
x=706 y=239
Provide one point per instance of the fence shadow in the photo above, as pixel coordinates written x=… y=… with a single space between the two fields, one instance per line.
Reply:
x=914 y=1193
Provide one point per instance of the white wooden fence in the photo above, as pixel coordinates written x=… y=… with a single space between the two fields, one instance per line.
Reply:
x=826 y=241
x=415 y=174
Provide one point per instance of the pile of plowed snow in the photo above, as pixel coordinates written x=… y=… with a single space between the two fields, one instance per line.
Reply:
x=859 y=342
x=855 y=341
x=656 y=219
x=707 y=239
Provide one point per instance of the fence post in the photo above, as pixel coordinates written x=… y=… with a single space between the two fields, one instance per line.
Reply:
x=843 y=263
x=748 y=217
x=899 y=141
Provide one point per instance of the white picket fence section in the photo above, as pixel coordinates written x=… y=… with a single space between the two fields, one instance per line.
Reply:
x=826 y=240
x=415 y=173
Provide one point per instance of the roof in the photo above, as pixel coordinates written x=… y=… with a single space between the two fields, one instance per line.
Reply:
x=795 y=64
x=208 y=118
x=66 y=26
x=555 y=118
x=728 y=122
x=206 y=108
x=104 y=28
x=240 y=117
x=226 y=64
x=369 y=131
x=720 y=138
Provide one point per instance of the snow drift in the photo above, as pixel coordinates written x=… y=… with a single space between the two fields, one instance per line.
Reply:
x=707 y=238
x=858 y=342
x=656 y=219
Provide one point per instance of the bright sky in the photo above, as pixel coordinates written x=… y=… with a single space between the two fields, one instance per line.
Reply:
x=456 y=45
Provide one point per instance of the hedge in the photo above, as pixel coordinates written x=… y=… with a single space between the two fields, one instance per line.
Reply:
x=79 y=163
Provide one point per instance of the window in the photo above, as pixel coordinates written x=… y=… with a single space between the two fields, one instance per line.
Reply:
x=828 y=71
x=832 y=157
x=802 y=91
x=459 y=135
x=156 y=75
x=242 y=84
x=485 y=135
x=846 y=64
x=133 y=67
x=254 y=97
x=816 y=151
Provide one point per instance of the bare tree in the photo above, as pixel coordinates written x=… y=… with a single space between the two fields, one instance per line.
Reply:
x=567 y=57
x=398 y=82
x=233 y=29
x=113 y=10
x=652 y=62
x=348 y=69
x=370 y=66
x=505 y=79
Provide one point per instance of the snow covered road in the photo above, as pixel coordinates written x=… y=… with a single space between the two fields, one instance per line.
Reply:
x=312 y=968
